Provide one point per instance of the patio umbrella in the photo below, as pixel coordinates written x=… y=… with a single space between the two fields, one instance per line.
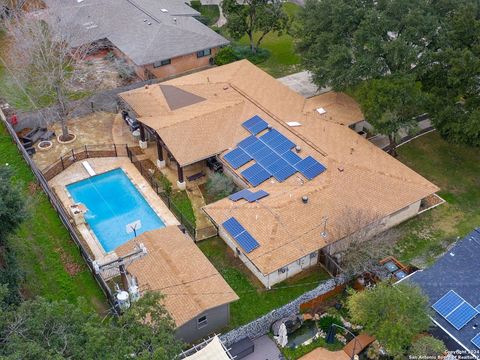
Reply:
x=282 y=338
x=330 y=339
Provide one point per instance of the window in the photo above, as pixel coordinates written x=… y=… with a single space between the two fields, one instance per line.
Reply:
x=162 y=63
x=202 y=321
x=203 y=53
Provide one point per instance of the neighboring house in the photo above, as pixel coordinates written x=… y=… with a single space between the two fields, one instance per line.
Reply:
x=457 y=270
x=202 y=116
x=196 y=295
x=159 y=38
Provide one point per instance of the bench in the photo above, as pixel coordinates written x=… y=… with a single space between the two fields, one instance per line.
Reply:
x=196 y=176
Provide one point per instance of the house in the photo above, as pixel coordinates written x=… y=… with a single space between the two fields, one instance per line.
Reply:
x=159 y=38
x=453 y=287
x=342 y=177
x=196 y=295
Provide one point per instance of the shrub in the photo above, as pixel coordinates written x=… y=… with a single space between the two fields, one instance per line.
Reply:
x=225 y=55
x=125 y=71
x=244 y=52
x=428 y=346
x=325 y=322
x=219 y=186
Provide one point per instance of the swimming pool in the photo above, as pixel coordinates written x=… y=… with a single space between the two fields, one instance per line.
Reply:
x=113 y=202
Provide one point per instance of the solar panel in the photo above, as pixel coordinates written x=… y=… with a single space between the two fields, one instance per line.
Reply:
x=461 y=315
x=255 y=125
x=476 y=340
x=279 y=140
x=259 y=155
x=284 y=173
x=233 y=227
x=447 y=303
x=247 y=241
x=247 y=142
x=237 y=158
x=239 y=195
x=478 y=308
x=305 y=163
x=269 y=159
x=255 y=174
x=284 y=146
x=277 y=165
x=255 y=146
x=260 y=194
x=314 y=171
x=291 y=157
x=270 y=136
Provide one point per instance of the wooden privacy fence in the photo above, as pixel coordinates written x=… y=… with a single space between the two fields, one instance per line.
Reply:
x=319 y=300
x=62 y=214
x=329 y=263
x=82 y=153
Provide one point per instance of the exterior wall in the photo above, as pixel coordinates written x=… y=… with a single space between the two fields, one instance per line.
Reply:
x=268 y=280
x=178 y=65
x=217 y=318
x=386 y=223
x=236 y=179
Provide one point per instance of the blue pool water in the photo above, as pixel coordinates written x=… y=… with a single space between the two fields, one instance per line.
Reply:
x=113 y=202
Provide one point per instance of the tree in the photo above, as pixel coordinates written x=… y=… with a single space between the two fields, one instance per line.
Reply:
x=43 y=55
x=345 y=42
x=452 y=77
x=428 y=347
x=12 y=204
x=40 y=329
x=390 y=104
x=393 y=314
x=251 y=16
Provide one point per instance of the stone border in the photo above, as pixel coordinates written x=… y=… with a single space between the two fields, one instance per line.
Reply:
x=261 y=326
x=67 y=142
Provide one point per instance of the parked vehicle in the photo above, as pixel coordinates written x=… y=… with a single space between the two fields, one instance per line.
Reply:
x=131 y=122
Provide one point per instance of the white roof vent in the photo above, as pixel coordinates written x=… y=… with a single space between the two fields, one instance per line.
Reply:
x=163 y=10
x=293 y=123
x=321 y=111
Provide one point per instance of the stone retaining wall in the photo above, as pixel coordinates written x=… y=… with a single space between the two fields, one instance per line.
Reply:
x=261 y=326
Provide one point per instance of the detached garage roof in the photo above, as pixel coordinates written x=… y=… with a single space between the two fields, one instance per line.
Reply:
x=146 y=31
x=177 y=268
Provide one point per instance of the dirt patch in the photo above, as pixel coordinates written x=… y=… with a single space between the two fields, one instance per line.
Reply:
x=70 y=266
x=33 y=188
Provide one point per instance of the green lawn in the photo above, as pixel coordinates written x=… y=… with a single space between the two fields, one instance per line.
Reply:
x=50 y=260
x=283 y=59
x=254 y=299
x=184 y=205
x=456 y=170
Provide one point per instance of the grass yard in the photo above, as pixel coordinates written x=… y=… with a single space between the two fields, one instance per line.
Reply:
x=456 y=170
x=184 y=205
x=49 y=259
x=283 y=59
x=254 y=299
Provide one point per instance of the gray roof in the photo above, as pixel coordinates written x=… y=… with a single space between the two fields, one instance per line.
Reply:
x=141 y=29
x=457 y=270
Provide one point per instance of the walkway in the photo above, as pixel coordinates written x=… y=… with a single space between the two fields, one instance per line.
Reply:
x=265 y=349
x=302 y=83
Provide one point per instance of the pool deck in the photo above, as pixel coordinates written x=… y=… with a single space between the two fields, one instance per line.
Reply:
x=77 y=172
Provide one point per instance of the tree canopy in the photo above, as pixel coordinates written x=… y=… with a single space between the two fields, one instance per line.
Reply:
x=254 y=16
x=349 y=43
x=393 y=314
x=40 y=329
x=12 y=204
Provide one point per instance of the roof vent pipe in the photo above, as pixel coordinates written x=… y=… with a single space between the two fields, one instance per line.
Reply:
x=298 y=148
x=305 y=199
x=269 y=127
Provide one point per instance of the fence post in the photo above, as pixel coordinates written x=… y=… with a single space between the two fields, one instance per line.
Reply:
x=61 y=160
x=115 y=147
x=73 y=155
x=86 y=151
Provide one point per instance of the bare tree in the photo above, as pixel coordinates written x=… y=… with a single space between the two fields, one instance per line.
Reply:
x=364 y=241
x=43 y=55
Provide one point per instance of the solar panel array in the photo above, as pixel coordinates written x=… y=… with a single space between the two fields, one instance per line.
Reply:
x=273 y=155
x=241 y=236
x=476 y=340
x=248 y=195
x=455 y=309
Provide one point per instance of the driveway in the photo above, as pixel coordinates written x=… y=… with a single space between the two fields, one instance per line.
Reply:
x=302 y=83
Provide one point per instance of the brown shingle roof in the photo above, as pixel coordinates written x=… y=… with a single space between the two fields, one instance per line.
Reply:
x=177 y=268
x=358 y=176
